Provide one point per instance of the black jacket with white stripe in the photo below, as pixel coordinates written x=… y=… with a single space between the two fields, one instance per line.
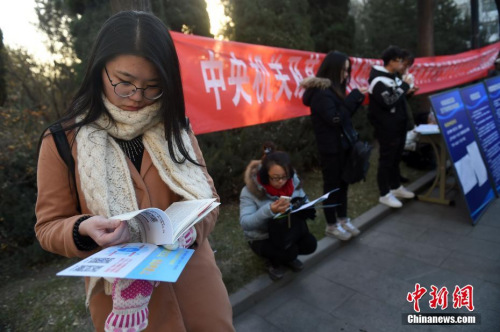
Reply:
x=387 y=108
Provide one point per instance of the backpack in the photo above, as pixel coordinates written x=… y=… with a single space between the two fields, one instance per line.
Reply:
x=357 y=163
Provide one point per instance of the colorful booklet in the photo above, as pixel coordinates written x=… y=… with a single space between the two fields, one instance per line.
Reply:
x=133 y=261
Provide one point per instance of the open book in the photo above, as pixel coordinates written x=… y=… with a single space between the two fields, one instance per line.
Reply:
x=164 y=227
x=308 y=205
x=148 y=260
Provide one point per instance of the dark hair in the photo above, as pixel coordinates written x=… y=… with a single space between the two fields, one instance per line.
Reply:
x=267 y=148
x=145 y=35
x=332 y=67
x=408 y=56
x=391 y=53
x=279 y=158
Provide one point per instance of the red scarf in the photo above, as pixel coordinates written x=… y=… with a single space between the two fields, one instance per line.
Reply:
x=286 y=190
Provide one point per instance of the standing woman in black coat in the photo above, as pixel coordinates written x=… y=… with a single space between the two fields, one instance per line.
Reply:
x=331 y=112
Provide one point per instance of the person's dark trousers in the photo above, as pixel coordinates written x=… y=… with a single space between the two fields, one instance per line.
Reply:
x=285 y=244
x=390 y=154
x=331 y=167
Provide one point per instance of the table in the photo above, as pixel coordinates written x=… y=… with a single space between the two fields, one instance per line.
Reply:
x=440 y=151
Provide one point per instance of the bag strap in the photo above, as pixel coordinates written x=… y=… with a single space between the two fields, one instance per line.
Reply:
x=352 y=136
x=64 y=150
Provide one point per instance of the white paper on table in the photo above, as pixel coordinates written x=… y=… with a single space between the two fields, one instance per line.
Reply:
x=477 y=163
x=427 y=129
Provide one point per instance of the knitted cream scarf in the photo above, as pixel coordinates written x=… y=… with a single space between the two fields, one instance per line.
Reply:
x=105 y=176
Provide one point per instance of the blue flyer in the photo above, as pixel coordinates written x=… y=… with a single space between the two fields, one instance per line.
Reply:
x=464 y=151
x=142 y=261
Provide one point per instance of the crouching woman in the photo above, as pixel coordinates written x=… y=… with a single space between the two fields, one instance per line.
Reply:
x=271 y=186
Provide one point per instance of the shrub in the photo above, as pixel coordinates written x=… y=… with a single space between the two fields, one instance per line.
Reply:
x=228 y=153
x=19 y=130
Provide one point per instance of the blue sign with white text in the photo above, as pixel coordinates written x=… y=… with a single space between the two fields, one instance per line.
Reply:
x=463 y=150
x=478 y=108
x=493 y=87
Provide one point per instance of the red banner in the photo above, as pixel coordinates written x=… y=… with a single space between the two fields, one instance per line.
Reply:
x=230 y=84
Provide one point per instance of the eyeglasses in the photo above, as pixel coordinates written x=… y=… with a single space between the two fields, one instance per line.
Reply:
x=127 y=89
x=278 y=178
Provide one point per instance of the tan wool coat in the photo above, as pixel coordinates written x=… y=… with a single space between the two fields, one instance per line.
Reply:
x=198 y=301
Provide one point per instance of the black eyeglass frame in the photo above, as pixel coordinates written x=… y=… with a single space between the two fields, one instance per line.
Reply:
x=114 y=85
x=279 y=178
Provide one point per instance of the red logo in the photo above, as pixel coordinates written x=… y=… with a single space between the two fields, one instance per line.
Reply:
x=462 y=297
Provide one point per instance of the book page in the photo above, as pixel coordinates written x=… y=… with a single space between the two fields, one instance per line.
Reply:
x=181 y=230
x=183 y=214
x=317 y=200
x=155 y=225
x=306 y=205
x=164 y=227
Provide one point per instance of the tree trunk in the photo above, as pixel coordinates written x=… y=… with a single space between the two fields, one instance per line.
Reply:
x=474 y=18
x=120 y=5
x=497 y=2
x=425 y=28
x=425 y=12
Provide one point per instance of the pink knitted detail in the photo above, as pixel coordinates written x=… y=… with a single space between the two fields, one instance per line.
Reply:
x=137 y=287
x=130 y=305
x=188 y=238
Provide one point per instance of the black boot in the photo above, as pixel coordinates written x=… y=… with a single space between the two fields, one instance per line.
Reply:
x=296 y=265
x=276 y=272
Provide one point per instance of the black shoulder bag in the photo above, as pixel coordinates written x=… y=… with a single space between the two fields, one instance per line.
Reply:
x=358 y=159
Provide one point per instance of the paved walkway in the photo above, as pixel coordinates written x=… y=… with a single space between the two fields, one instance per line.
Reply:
x=362 y=285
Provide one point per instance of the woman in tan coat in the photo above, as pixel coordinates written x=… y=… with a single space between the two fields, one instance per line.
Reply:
x=133 y=149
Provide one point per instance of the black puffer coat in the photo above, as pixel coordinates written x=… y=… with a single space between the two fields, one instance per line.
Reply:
x=330 y=113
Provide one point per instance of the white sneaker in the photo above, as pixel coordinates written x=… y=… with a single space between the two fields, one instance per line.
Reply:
x=337 y=231
x=390 y=201
x=402 y=192
x=348 y=226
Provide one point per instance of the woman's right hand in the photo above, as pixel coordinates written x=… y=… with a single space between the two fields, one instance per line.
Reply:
x=105 y=232
x=280 y=206
x=363 y=89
